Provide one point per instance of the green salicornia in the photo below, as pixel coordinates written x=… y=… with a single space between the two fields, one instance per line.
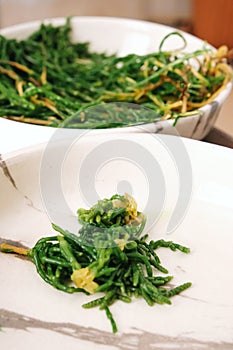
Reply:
x=47 y=79
x=109 y=256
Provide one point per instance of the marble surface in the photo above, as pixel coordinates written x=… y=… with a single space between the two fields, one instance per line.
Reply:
x=34 y=315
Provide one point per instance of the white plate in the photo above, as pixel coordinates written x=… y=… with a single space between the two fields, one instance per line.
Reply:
x=35 y=315
x=121 y=36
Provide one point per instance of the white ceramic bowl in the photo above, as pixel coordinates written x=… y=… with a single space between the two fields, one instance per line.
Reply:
x=121 y=36
x=32 y=313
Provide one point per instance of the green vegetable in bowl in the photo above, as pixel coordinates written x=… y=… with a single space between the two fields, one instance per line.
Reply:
x=108 y=256
x=47 y=79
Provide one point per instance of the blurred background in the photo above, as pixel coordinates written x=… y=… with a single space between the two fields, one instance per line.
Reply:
x=167 y=11
x=208 y=19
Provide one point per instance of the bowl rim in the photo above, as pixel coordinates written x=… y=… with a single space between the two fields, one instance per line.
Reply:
x=58 y=20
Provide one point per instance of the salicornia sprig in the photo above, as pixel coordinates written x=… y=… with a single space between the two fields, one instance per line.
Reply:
x=108 y=256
